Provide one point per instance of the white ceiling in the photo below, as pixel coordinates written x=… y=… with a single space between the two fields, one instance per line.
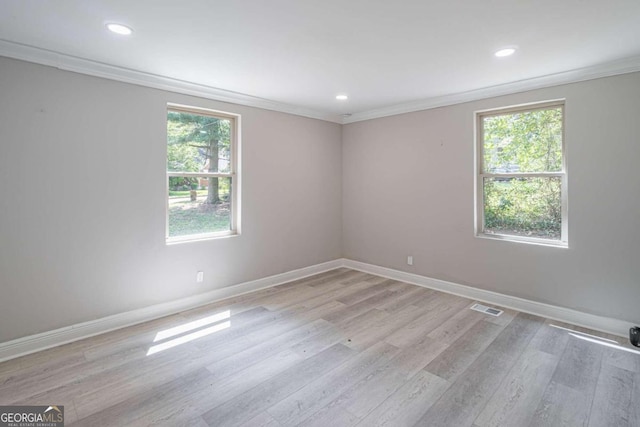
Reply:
x=304 y=52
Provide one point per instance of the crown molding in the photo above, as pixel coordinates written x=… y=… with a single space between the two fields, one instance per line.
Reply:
x=623 y=66
x=121 y=74
x=112 y=72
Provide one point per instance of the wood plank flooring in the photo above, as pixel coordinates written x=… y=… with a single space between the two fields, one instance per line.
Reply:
x=342 y=348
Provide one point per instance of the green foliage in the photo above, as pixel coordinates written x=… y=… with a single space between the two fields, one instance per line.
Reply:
x=183 y=158
x=527 y=207
x=529 y=141
x=197 y=143
x=180 y=183
x=523 y=142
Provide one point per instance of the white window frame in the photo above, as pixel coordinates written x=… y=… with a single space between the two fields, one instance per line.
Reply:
x=480 y=174
x=233 y=175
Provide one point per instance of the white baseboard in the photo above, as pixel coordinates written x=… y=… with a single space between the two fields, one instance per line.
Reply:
x=562 y=314
x=34 y=343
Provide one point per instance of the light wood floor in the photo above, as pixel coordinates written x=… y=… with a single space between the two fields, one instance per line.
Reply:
x=338 y=349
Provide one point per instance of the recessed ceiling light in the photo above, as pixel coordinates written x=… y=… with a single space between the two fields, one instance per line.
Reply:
x=505 y=52
x=342 y=97
x=119 y=29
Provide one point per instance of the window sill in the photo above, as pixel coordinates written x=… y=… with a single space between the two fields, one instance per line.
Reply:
x=526 y=240
x=200 y=238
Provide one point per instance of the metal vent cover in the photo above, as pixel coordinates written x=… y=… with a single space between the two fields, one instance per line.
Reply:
x=488 y=310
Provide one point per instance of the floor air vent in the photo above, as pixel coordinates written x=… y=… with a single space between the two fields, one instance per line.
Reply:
x=485 y=309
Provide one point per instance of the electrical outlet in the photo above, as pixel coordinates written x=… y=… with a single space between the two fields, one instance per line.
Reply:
x=200 y=277
x=410 y=260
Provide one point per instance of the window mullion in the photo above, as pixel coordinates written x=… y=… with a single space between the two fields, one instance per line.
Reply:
x=524 y=175
x=200 y=174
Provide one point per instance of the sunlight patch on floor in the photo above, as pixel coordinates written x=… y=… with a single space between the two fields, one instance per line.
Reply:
x=219 y=321
x=604 y=343
x=584 y=334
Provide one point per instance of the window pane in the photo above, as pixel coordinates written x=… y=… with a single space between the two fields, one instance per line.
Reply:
x=198 y=143
x=199 y=205
x=527 y=141
x=523 y=207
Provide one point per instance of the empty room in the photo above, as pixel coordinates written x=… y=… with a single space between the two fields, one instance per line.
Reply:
x=320 y=213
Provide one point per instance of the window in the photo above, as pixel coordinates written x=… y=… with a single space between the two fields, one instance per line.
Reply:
x=202 y=181
x=521 y=184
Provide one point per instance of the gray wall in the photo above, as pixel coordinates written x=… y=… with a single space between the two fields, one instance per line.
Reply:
x=408 y=187
x=82 y=202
